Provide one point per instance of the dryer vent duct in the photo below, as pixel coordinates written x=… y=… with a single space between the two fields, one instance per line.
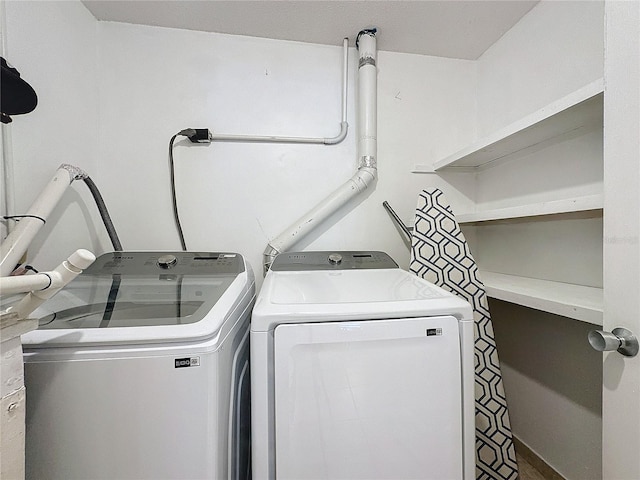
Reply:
x=367 y=172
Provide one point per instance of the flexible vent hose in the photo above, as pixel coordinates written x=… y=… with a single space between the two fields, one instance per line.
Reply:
x=104 y=213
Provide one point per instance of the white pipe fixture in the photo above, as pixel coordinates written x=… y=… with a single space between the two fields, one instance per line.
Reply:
x=17 y=242
x=218 y=137
x=8 y=200
x=357 y=184
x=367 y=100
x=367 y=150
x=56 y=279
x=25 y=283
x=8 y=191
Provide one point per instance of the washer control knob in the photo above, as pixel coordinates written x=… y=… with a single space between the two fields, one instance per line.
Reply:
x=167 y=261
x=335 y=259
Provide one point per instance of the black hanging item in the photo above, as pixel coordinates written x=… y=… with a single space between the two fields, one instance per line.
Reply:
x=16 y=95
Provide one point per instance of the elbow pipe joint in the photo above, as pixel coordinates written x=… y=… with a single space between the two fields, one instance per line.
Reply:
x=344 y=127
x=75 y=173
x=65 y=272
x=367 y=31
x=364 y=177
x=268 y=256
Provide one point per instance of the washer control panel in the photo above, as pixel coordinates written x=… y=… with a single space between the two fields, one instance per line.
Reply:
x=175 y=263
x=351 y=260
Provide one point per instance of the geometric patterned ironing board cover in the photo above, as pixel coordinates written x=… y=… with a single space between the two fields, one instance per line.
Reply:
x=440 y=254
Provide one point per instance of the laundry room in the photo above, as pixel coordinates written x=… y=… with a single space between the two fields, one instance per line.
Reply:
x=500 y=106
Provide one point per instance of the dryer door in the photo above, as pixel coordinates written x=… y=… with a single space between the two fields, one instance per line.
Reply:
x=369 y=399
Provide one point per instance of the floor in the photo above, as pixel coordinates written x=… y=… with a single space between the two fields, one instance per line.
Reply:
x=528 y=471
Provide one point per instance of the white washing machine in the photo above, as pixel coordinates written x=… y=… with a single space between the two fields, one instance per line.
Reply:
x=139 y=370
x=359 y=370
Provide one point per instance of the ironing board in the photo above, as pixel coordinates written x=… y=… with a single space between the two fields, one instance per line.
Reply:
x=440 y=254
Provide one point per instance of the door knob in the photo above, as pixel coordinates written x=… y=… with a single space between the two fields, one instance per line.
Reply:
x=619 y=339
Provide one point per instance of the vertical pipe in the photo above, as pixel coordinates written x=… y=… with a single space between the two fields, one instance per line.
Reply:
x=8 y=196
x=367 y=100
x=345 y=76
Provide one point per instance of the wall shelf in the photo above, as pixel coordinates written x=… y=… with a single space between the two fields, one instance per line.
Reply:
x=573 y=301
x=553 y=207
x=568 y=117
x=579 y=111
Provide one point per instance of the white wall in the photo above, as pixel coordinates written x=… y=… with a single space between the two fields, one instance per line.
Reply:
x=553 y=50
x=233 y=196
x=53 y=45
x=553 y=381
x=111 y=100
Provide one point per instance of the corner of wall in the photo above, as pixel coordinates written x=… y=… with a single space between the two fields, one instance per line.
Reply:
x=553 y=50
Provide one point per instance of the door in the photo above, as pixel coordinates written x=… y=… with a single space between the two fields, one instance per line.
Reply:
x=369 y=399
x=621 y=375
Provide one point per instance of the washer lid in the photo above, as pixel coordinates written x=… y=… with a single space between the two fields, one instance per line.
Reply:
x=131 y=301
x=142 y=297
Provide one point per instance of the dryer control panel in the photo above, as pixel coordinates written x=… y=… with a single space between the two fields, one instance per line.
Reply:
x=329 y=260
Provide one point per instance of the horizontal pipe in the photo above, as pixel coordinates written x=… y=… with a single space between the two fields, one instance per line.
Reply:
x=24 y=283
x=344 y=126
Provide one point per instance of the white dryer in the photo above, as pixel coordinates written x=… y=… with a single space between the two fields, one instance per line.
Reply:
x=139 y=370
x=359 y=370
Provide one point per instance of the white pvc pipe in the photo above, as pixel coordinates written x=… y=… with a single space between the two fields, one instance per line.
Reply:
x=345 y=77
x=7 y=148
x=367 y=100
x=60 y=277
x=24 y=283
x=218 y=137
x=367 y=149
x=7 y=176
x=323 y=210
x=17 y=242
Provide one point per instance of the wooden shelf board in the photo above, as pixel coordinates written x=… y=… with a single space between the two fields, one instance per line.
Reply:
x=554 y=207
x=580 y=110
x=573 y=301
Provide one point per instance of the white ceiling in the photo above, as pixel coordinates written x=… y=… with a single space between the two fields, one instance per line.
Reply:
x=444 y=28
